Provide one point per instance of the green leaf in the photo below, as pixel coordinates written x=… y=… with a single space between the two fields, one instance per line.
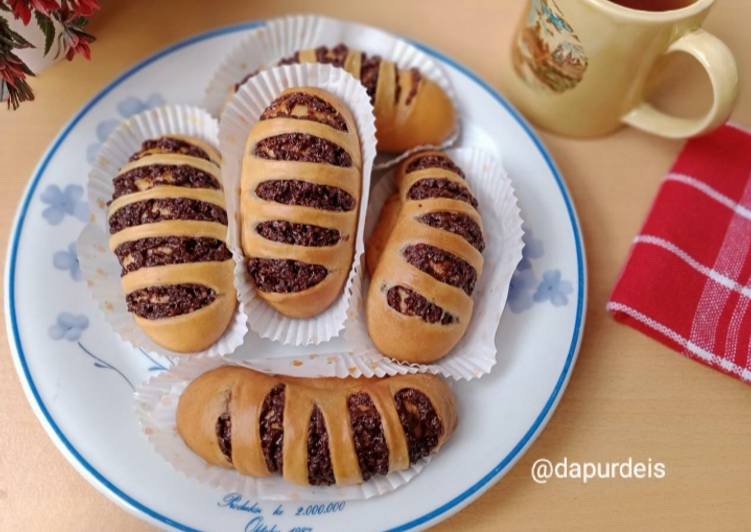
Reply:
x=26 y=70
x=4 y=28
x=45 y=24
x=11 y=38
x=17 y=93
x=60 y=47
x=89 y=37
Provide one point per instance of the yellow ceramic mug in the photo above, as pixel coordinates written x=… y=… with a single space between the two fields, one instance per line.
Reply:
x=579 y=67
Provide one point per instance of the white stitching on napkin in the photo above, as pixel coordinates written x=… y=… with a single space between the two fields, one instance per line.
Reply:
x=716 y=276
x=714 y=298
x=699 y=351
x=713 y=193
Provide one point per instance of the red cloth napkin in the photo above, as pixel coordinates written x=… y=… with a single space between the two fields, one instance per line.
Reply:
x=687 y=281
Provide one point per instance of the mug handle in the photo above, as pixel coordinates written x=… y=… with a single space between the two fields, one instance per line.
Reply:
x=720 y=65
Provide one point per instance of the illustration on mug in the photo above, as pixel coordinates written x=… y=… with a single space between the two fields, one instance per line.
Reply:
x=546 y=53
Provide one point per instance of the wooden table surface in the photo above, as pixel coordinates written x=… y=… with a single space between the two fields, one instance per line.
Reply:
x=628 y=397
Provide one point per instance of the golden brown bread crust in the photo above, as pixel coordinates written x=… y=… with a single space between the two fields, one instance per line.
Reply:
x=427 y=120
x=239 y=395
x=377 y=241
x=198 y=329
x=406 y=117
x=402 y=335
x=337 y=258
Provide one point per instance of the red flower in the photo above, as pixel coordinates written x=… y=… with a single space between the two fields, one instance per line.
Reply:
x=83 y=8
x=22 y=8
x=72 y=14
x=78 y=44
x=13 y=79
x=12 y=70
x=75 y=39
x=45 y=6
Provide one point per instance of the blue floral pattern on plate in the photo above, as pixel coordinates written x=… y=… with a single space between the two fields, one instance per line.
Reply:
x=520 y=290
x=62 y=202
x=67 y=260
x=526 y=289
x=552 y=288
x=68 y=201
x=155 y=365
x=126 y=108
x=533 y=248
x=69 y=326
x=103 y=130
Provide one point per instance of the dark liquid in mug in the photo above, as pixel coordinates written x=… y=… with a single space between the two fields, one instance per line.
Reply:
x=653 y=5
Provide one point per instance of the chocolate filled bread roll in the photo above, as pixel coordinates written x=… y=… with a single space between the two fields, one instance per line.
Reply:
x=424 y=257
x=300 y=191
x=317 y=431
x=168 y=229
x=410 y=109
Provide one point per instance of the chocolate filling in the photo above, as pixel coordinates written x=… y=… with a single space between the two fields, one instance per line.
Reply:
x=291 y=60
x=224 y=431
x=369 y=74
x=416 y=77
x=432 y=160
x=421 y=424
x=271 y=428
x=320 y=471
x=166 y=301
x=442 y=265
x=432 y=187
x=298 y=234
x=410 y=303
x=304 y=194
x=302 y=147
x=170 y=145
x=457 y=223
x=335 y=56
x=153 y=175
x=159 y=210
x=244 y=79
x=284 y=275
x=305 y=106
x=159 y=250
x=367 y=435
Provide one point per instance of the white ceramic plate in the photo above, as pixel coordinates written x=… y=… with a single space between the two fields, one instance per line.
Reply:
x=79 y=377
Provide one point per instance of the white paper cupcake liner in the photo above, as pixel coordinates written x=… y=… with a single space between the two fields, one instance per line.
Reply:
x=263 y=47
x=475 y=354
x=98 y=264
x=239 y=116
x=156 y=408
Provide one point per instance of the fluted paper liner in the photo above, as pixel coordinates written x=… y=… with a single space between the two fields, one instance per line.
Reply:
x=475 y=354
x=238 y=118
x=156 y=408
x=281 y=37
x=99 y=265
